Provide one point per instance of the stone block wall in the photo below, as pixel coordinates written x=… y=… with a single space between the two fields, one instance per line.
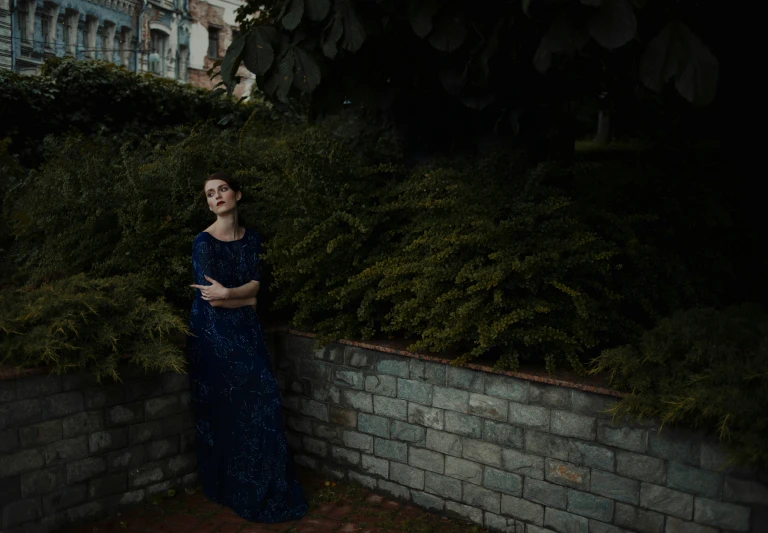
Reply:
x=509 y=454
x=73 y=450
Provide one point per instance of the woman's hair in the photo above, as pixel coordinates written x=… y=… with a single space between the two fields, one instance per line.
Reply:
x=234 y=185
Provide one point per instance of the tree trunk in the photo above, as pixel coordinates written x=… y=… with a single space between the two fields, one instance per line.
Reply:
x=603 y=135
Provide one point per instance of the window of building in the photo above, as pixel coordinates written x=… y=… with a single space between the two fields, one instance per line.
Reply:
x=158 y=46
x=108 y=40
x=125 y=46
x=71 y=21
x=24 y=22
x=213 y=42
x=181 y=70
x=89 y=36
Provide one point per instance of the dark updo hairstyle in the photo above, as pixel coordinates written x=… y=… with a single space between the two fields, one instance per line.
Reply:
x=234 y=185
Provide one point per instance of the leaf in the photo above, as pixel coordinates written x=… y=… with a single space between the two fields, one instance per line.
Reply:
x=478 y=103
x=285 y=71
x=420 y=14
x=231 y=62
x=259 y=53
x=317 y=10
x=678 y=53
x=527 y=7
x=613 y=24
x=331 y=36
x=293 y=17
x=306 y=71
x=216 y=93
x=453 y=80
x=449 y=33
x=354 y=32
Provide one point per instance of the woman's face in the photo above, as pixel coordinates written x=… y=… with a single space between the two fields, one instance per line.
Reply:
x=221 y=198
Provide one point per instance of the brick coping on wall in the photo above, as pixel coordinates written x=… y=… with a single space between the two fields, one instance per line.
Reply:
x=561 y=378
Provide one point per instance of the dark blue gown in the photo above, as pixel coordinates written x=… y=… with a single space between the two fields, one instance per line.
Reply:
x=242 y=453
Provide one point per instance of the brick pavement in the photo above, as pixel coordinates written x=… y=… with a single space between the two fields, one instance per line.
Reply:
x=340 y=508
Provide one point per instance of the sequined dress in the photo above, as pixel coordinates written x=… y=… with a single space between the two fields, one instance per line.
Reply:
x=242 y=452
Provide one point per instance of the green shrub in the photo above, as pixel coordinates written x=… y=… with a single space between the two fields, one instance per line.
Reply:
x=98 y=98
x=700 y=368
x=80 y=321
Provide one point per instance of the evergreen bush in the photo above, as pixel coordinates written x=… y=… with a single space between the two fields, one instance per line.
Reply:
x=701 y=368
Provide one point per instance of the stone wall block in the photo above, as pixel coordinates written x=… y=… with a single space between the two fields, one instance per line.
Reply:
x=374 y=465
x=567 y=474
x=501 y=481
x=390 y=407
x=395 y=365
x=512 y=389
x=463 y=470
x=589 y=505
x=721 y=514
x=414 y=391
x=357 y=400
x=359 y=358
x=345 y=456
x=615 y=487
x=549 y=396
x=433 y=373
x=160 y=449
x=345 y=377
x=462 y=378
x=531 y=416
x=142 y=389
x=465 y=511
x=104 y=396
x=481 y=497
x=9 y=441
x=381 y=384
x=315 y=410
x=374 y=425
x=465 y=425
x=126 y=459
x=43 y=481
x=641 y=467
x=522 y=509
x=443 y=442
x=428 y=501
x=389 y=449
x=504 y=435
x=37 y=386
x=745 y=491
x=175 y=382
x=426 y=459
x=20 y=512
x=66 y=450
x=633 y=439
x=116 y=483
x=85 y=469
x=358 y=441
x=429 y=417
x=162 y=406
x=442 y=485
x=481 y=452
x=667 y=501
x=592 y=404
x=523 y=464
x=111 y=439
x=592 y=455
x=637 y=519
x=83 y=423
x=20 y=413
x=396 y=491
x=332 y=353
x=406 y=432
x=570 y=424
x=697 y=481
x=407 y=475
x=675 y=445
x=565 y=522
x=488 y=407
x=547 y=494
x=42 y=433
x=451 y=399
x=342 y=417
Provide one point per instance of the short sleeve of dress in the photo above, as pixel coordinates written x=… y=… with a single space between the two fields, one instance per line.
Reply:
x=254 y=263
x=202 y=261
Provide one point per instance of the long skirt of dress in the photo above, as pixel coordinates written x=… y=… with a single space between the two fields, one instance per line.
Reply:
x=243 y=458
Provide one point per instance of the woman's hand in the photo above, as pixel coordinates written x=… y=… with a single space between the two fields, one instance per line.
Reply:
x=214 y=291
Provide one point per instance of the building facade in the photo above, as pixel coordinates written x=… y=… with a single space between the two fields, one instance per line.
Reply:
x=177 y=39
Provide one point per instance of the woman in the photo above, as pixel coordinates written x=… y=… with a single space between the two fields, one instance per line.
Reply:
x=242 y=452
